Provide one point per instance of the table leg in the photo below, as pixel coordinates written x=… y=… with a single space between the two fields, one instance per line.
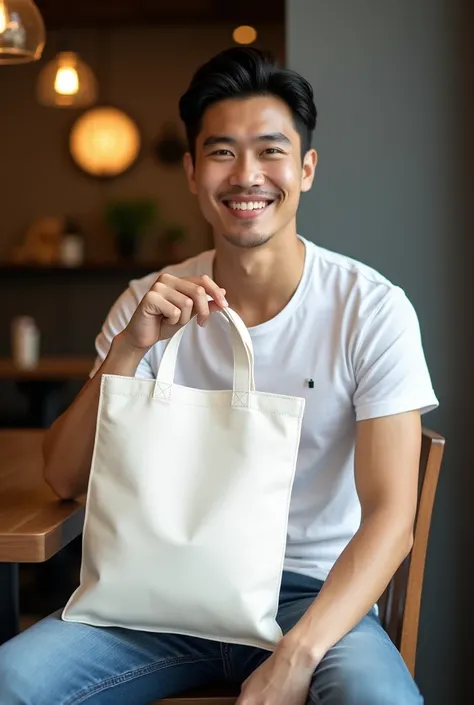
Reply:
x=9 y=601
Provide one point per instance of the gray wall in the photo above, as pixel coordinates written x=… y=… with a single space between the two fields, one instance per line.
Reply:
x=392 y=83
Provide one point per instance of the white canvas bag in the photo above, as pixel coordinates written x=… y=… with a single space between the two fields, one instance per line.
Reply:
x=187 y=507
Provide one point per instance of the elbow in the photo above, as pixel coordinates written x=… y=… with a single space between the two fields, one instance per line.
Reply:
x=408 y=533
x=61 y=489
x=404 y=541
x=409 y=540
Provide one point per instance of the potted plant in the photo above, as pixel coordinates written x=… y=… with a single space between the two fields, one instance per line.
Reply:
x=129 y=219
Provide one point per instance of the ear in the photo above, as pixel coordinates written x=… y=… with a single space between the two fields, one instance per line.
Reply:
x=309 y=167
x=189 y=169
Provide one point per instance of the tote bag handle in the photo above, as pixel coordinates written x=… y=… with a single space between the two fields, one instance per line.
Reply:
x=243 y=361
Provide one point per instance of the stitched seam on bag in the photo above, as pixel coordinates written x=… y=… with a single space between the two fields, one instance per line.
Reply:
x=284 y=541
x=206 y=406
x=112 y=681
x=240 y=399
x=223 y=391
x=110 y=391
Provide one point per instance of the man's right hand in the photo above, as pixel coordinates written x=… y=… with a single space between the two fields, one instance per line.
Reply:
x=168 y=306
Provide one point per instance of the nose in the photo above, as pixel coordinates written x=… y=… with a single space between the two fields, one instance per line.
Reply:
x=246 y=172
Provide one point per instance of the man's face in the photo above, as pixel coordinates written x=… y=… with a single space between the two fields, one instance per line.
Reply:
x=248 y=173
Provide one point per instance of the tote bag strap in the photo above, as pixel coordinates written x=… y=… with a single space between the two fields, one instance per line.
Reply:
x=243 y=360
x=239 y=332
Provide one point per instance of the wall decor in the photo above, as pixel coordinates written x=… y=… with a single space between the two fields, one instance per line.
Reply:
x=105 y=142
x=169 y=147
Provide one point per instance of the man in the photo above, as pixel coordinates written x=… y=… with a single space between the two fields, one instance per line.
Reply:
x=323 y=326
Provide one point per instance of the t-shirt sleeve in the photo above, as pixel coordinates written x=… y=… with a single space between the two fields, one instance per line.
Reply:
x=117 y=319
x=391 y=373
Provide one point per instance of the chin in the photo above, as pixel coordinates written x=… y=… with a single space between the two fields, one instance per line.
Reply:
x=247 y=240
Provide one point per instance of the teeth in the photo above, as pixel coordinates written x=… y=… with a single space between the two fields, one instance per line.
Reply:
x=247 y=205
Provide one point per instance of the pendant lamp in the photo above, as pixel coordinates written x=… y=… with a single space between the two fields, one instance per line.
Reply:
x=22 y=32
x=67 y=82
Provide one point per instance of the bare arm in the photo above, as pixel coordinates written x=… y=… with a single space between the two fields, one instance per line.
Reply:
x=69 y=443
x=387 y=456
x=169 y=305
x=386 y=472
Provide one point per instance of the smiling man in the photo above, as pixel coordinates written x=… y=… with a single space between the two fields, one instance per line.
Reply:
x=323 y=326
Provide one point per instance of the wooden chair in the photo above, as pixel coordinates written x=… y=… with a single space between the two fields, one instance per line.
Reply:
x=400 y=604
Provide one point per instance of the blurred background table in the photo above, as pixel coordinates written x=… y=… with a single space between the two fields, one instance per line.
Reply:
x=42 y=383
x=34 y=524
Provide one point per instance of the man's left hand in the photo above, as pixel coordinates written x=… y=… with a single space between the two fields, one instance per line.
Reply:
x=282 y=679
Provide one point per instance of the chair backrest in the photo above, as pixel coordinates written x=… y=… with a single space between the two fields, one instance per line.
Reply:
x=400 y=604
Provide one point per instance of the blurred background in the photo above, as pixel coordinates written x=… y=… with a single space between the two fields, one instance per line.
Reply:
x=92 y=194
x=92 y=189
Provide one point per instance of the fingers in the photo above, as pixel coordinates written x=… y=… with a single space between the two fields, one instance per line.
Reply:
x=212 y=289
x=154 y=304
x=190 y=296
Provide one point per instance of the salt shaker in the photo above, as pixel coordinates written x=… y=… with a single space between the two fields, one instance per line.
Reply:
x=25 y=340
x=71 y=250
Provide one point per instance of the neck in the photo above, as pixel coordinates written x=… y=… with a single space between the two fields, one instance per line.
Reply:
x=259 y=281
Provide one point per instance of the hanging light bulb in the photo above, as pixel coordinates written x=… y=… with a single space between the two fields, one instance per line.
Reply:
x=67 y=82
x=22 y=32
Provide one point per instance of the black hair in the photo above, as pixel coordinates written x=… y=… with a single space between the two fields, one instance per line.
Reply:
x=242 y=72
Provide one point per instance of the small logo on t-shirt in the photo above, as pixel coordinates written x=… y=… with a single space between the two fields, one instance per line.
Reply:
x=310 y=383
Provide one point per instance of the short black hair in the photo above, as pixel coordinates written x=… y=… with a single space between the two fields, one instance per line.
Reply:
x=243 y=72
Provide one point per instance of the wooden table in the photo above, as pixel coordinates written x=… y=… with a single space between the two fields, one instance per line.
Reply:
x=41 y=383
x=34 y=524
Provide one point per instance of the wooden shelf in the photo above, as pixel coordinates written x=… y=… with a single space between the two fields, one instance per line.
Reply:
x=48 y=368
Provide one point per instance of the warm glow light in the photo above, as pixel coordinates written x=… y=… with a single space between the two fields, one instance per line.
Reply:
x=104 y=142
x=244 y=34
x=3 y=17
x=22 y=32
x=66 y=81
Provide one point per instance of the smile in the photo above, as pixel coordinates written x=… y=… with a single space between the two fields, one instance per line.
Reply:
x=247 y=209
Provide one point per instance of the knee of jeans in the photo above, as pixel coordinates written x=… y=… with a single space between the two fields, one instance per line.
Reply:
x=15 y=687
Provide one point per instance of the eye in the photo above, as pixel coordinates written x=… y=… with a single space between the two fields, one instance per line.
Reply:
x=221 y=153
x=272 y=151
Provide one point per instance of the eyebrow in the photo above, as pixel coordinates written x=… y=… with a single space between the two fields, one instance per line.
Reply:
x=225 y=139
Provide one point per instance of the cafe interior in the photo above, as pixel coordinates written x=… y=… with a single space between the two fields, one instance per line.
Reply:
x=93 y=195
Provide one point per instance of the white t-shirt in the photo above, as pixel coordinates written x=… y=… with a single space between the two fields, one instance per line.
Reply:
x=348 y=329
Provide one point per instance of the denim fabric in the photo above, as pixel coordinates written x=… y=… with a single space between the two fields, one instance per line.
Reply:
x=65 y=663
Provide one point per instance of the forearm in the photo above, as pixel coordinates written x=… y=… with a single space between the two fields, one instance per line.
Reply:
x=69 y=443
x=354 y=585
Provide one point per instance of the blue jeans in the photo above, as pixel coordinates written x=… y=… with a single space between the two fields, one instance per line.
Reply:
x=65 y=663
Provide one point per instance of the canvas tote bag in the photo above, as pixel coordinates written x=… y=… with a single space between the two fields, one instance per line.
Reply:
x=187 y=508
